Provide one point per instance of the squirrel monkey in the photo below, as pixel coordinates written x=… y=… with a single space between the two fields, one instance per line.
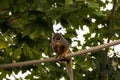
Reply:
x=61 y=46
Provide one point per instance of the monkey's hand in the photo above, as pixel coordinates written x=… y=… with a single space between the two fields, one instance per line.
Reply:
x=57 y=47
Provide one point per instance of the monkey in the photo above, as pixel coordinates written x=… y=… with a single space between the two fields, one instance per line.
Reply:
x=61 y=47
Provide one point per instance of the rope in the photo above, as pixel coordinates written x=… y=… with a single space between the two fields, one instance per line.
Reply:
x=32 y=62
x=26 y=63
x=94 y=49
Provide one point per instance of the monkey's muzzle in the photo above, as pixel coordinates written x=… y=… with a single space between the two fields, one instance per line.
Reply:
x=58 y=39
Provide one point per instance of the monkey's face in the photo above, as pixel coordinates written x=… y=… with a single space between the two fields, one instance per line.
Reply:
x=57 y=37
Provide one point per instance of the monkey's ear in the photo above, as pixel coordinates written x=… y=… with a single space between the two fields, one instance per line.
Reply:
x=60 y=33
x=53 y=34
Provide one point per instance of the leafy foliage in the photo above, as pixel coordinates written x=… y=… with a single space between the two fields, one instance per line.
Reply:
x=26 y=27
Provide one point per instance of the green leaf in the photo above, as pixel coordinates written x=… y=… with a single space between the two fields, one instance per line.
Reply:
x=28 y=51
x=3 y=44
x=4 y=4
x=68 y=2
x=33 y=35
x=17 y=53
x=93 y=5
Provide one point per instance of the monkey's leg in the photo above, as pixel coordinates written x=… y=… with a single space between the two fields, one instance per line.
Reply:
x=69 y=69
x=65 y=52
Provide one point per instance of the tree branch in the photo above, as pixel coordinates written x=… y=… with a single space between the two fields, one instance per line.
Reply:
x=112 y=17
x=111 y=20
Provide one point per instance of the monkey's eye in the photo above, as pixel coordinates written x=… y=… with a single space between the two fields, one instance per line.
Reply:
x=58 y=39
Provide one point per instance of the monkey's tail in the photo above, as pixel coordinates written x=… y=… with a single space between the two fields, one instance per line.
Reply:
x=69 y=69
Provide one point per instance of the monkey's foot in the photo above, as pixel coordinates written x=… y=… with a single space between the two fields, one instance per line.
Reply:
x=63 y=57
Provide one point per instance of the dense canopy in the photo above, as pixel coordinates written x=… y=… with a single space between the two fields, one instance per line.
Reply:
x=26 y=27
